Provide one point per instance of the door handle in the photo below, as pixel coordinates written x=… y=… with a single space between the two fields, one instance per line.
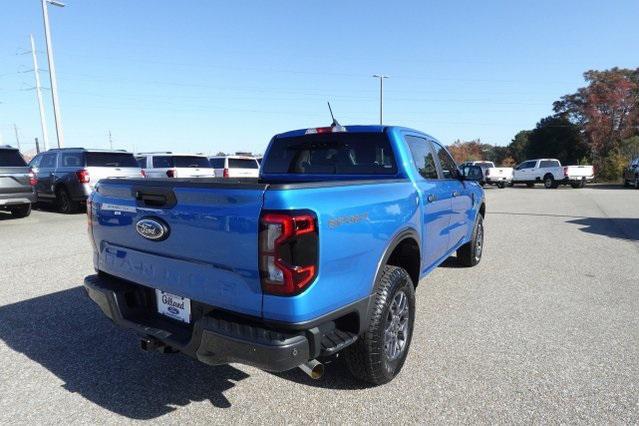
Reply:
x=456 y=194
x=431 y=198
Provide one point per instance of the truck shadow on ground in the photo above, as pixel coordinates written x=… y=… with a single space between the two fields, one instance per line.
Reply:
x=69 y=336
x=622 y=228
x=613 y=227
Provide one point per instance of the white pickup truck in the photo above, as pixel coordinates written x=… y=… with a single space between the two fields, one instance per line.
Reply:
x=500 y=176
x=551 y=173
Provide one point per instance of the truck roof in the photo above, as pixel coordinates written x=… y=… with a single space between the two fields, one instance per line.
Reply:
x=366 y=128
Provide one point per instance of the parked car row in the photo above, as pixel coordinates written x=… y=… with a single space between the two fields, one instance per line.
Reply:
x=65 y=177
x=548 y=171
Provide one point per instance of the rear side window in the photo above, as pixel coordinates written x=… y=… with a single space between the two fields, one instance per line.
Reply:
x=449 y=168
x=332 y=153
x=548 y=163
x=48 y=161
x=422 y=156
x=71 y=159
x=11 y=158
x=190 y=161
x=242 y=163
x=141 y=162
x=110 y=159
x=217 y=163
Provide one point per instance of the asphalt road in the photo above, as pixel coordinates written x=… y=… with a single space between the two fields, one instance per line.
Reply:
x=545 y=329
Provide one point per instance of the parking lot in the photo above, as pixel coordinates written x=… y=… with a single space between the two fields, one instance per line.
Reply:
x=545 y=329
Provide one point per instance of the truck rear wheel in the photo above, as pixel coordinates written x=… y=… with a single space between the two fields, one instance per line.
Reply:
x=470 y=253
x=549 y=182
x=501 y=185
x=23 y=210
x=64 y=202
x=379 y=354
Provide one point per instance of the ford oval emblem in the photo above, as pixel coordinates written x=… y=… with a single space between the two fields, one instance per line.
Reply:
x=173 y=310
x=152 y=229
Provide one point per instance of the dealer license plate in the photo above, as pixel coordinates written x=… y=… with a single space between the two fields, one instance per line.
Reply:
x=173 y=306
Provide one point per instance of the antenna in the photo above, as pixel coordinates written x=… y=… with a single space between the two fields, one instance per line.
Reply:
x=338 y=127
x=331 y=111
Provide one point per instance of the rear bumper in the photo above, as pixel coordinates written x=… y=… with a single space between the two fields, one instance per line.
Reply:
x=17 y=198
x=495 y=179
x=215 y=337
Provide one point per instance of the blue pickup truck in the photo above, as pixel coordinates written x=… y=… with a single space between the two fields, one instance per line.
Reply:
x=320 y=255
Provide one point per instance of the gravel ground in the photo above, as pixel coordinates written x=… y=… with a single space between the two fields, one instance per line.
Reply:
x=544 y=330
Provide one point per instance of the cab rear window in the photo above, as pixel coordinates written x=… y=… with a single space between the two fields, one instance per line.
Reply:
x=11 y=158
x=110 y=159
x=340 y=153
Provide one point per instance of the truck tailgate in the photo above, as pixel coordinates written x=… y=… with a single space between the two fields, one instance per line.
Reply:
x=210 y=250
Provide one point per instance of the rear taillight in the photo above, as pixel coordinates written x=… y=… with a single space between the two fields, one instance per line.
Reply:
x=33 y=180
x=487 y=172
x=83 y=176
x=143 y=173
x=171 y=173
x=225 y=173
x=566 y=171
x=288 y=252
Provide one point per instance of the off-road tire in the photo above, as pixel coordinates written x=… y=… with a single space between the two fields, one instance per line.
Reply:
x=367 y=359
x=470 y=253
x=20 y=211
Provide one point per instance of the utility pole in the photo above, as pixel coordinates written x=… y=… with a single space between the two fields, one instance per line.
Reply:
x=381 y=96
x=52 y=76
x=36 y=71
x=110 y=140
x=37 y=144
x=15 y=129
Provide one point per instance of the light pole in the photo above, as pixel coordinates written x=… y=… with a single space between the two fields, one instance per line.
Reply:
x=52 y=76
x=36 y=71
x=381 y=96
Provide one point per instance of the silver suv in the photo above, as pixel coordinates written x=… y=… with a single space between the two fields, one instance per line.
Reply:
x=66 y=176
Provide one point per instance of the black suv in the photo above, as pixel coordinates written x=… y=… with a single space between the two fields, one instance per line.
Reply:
x=66 y=176
x=16 y=183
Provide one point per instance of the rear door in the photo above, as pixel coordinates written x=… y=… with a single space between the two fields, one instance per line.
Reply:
x=461 y=197
x=435 y=200
x=44 y=175
x=208 y=251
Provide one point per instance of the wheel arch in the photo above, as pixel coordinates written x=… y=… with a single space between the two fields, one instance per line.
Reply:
x=403 y=251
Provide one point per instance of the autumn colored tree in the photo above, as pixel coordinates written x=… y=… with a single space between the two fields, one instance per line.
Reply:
x=466 y=151
x=607 y=109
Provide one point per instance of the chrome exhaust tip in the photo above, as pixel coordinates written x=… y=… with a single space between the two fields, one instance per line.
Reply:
x=313 y=368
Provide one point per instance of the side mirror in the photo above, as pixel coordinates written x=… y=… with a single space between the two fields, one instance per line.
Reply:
x=473 y=173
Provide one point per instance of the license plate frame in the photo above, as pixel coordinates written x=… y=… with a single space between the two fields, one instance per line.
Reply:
x=173 y=306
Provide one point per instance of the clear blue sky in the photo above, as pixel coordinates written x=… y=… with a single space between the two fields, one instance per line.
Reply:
x=227 y=75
